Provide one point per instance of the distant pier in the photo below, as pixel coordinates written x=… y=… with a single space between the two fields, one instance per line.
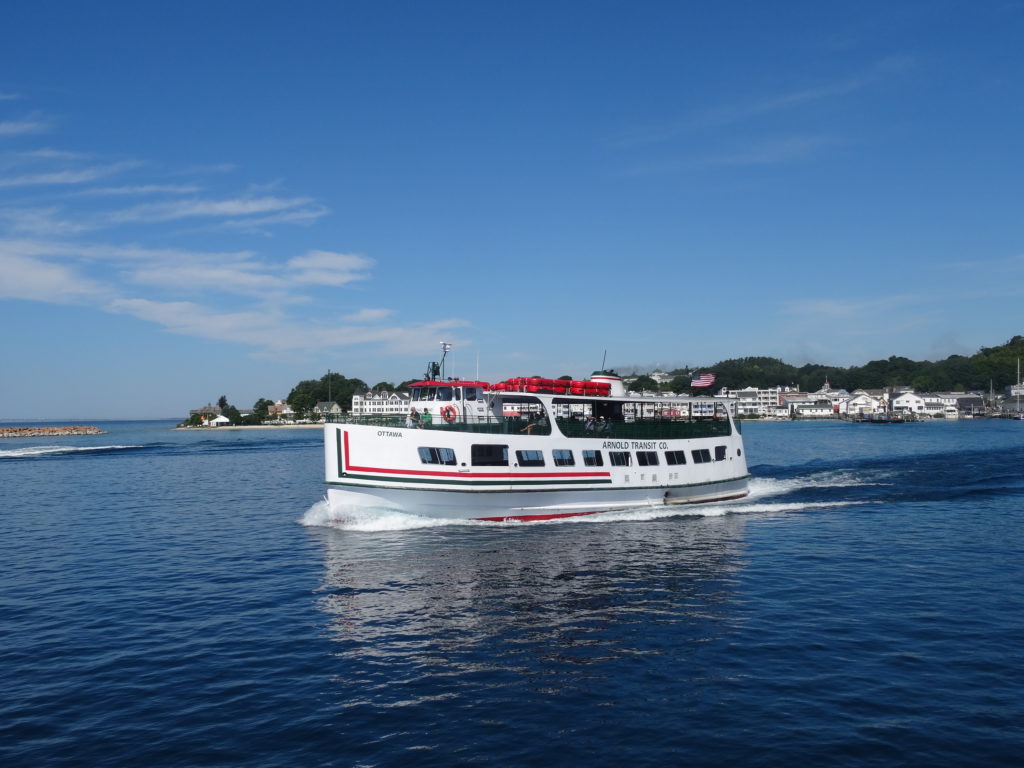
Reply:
x=48 y=431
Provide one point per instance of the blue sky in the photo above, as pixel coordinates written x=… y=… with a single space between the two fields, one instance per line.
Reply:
x=200 y=199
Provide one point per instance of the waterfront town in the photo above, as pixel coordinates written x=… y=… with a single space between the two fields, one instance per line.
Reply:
x=773 y=403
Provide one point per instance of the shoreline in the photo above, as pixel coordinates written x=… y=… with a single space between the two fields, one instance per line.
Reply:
x=250 y=426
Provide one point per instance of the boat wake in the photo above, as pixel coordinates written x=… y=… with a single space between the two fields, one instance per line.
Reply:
x=373 y=519
x=43 y=451
x=770 y=486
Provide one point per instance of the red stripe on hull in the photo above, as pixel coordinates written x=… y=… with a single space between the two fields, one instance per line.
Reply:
x=532 y=518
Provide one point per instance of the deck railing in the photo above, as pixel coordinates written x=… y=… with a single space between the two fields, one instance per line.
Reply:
x=648 y=429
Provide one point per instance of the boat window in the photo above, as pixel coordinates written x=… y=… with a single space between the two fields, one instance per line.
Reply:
x=675 y=457
x=437 y=456
x=444 y=393
x=593 y=459
x=619 y=458
x=530 y=458
x=471 y=393
x=719 y=453
x=488 y=455
x=647 y=458
x=701 y=456
x=563 y=458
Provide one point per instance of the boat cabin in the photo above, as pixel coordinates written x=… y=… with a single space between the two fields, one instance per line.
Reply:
x=447 y=391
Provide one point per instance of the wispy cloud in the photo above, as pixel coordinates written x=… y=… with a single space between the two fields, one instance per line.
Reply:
x=35 y=279
x=329 y=268
x=35 y=156
x=846 y=309
x=239 y=272
x=9 y=96
x=182 y=209
x=46 y=222
x=191 y=319
x=771 y=151
x=369 y=315
x=106 y=251
x=70 y=176
x=246 y=297
x=248 y=279
x=305 y=215
x=143 y=189
x=205 y=170
x=22 y=127
x=273 y=331
x=757 y=106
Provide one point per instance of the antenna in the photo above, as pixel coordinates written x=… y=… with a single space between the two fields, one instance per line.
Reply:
x=445 y=348
x=605 y=357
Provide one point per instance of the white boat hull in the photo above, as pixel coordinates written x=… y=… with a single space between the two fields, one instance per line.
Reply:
x=525 y=505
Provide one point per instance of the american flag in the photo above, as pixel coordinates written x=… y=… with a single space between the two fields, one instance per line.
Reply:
x=702 y=380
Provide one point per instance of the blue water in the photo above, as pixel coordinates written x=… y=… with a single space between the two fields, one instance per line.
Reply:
x=173 y=598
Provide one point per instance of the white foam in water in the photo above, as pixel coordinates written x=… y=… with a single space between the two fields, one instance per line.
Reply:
x=649 y=513
x=760 y=487
x=769 y=486
x=57 y=450
x=372 y=519
x=794 y=506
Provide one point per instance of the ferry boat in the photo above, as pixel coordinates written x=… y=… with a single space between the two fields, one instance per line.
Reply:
x=534 y=449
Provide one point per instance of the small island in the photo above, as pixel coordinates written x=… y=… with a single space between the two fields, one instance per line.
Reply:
x=49 y=431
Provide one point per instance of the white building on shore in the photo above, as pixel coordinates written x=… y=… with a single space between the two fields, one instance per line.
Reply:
x=382 y=403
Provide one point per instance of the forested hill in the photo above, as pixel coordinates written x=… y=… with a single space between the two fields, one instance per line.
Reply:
x=956 y=373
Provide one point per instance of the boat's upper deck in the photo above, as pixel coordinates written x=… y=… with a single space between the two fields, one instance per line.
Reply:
x=572 y=417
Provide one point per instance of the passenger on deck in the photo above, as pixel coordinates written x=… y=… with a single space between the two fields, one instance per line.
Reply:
x=413 y=419
x=426 y=420
x=542 y=422
x=589 y=424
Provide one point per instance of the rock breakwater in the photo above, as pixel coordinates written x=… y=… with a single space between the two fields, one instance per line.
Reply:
x=48 y=431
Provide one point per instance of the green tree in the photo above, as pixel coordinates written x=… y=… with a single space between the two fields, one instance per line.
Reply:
x=679 y=383
x=644 y=384
x=222 y=402
x=233 y=415
x=997 y=365
x=261 y=408
x=332 y=386
x=302 y=403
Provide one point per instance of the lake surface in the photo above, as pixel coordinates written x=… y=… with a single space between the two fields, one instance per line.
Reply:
x=168 y=598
